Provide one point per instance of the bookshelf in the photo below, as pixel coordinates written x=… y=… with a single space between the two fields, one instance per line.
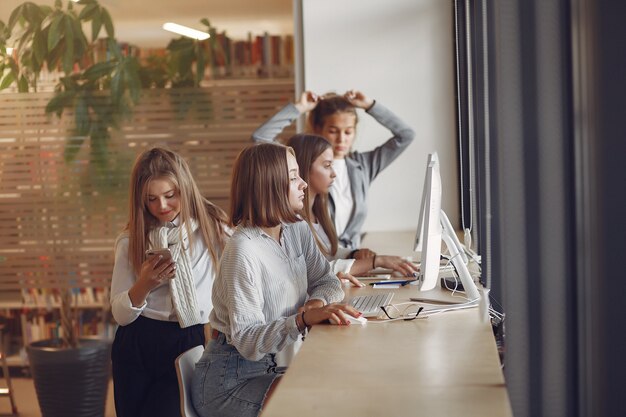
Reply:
x=258 y=57
x=32 y=315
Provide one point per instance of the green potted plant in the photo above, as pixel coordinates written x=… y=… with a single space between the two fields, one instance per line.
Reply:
x=71 y=375
x=98 y=94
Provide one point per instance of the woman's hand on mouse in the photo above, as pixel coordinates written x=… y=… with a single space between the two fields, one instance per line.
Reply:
x=334 y=312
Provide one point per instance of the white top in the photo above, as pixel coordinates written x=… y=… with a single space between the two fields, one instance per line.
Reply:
x=158 y=304
x=338 y=263
x=341 y=193
x=261 y=284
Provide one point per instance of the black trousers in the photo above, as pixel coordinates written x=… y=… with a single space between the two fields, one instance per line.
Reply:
x=144 y=375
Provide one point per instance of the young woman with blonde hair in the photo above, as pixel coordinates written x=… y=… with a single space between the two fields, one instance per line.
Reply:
x=161 y=304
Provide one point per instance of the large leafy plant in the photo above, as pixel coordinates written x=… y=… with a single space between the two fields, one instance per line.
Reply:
x=52 y=39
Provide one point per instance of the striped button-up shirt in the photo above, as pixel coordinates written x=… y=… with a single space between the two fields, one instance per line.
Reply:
x=261 y=284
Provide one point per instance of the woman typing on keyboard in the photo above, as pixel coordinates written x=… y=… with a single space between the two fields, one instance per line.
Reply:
x=273 y=283
x=314 y=155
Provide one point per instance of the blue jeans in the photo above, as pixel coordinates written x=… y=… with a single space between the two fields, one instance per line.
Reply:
x=226 y=384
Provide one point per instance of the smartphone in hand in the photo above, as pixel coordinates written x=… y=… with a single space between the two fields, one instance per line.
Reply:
x=165 y=253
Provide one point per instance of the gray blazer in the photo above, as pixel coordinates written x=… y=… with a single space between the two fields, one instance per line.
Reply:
x=363 y=168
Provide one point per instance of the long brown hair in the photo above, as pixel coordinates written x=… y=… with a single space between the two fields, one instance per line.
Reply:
x=159 y=163
x=259 y=193
x=308 y=148
x=330 y=103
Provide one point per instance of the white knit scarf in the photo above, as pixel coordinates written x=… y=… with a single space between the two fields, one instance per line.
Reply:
x=182 y=286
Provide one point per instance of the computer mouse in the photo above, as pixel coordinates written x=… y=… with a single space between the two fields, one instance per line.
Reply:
x=352 y=320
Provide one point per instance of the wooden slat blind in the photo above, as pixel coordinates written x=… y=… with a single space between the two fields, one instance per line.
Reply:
x=58 y=221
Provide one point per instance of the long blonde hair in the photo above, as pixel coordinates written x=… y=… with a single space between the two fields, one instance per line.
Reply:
x=159 y=163
x=308 y=148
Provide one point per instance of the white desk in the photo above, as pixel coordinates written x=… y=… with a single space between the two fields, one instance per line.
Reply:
x=446 y=365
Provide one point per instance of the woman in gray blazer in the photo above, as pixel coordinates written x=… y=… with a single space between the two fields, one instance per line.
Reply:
x=335 y=118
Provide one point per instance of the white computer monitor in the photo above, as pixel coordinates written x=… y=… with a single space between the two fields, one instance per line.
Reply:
x=433 y=227
x=432 y=157
x=429 y=232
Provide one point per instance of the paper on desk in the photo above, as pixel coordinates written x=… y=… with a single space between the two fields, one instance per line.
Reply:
x=386 y=286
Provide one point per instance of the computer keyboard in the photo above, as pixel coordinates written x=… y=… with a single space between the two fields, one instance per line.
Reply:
x=369 y=305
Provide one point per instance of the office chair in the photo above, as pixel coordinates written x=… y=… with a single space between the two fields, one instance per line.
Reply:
x=185 y=364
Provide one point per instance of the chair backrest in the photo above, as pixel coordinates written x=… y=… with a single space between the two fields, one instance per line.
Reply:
x=185 y=364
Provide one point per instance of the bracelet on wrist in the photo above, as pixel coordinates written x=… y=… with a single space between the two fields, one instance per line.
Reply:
x=300 y=326
x=374 y=262
x=304 y=321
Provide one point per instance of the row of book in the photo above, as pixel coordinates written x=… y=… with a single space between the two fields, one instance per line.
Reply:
x=40 y=326
x=257 y=56
x=51 y=298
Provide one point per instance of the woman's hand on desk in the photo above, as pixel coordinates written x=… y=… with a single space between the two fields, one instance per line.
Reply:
x=401 y=265
x=350 y=278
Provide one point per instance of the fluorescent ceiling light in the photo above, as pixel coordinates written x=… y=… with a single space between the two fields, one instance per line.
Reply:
x=186 y=31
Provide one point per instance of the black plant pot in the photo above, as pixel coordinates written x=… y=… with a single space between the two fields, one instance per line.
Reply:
x=71 y=382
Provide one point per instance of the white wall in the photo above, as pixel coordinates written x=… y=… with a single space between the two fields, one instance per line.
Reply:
x=401 y=53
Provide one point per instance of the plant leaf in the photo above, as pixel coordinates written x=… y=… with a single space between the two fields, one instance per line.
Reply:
x=81 y=116
x=15 y=16
x=7 y=80
x=96 y=25
x=32 y=14
x=96 y=71
x=68 y=55
x=22 y=85
x=39 y=50
x=108 y=23
x=88 y=11
x=53 y=57
x=54 y=34
x=116 y=87
x=60 y=100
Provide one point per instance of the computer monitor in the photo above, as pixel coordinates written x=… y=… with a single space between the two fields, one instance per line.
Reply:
x=429 y=231
x=432 y=157
x=433 y=226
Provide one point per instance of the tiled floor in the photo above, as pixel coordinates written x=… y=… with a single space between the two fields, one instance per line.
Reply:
x=26 y=399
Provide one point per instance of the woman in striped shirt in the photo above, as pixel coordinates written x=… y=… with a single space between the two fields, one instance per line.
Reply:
x=273 y=283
